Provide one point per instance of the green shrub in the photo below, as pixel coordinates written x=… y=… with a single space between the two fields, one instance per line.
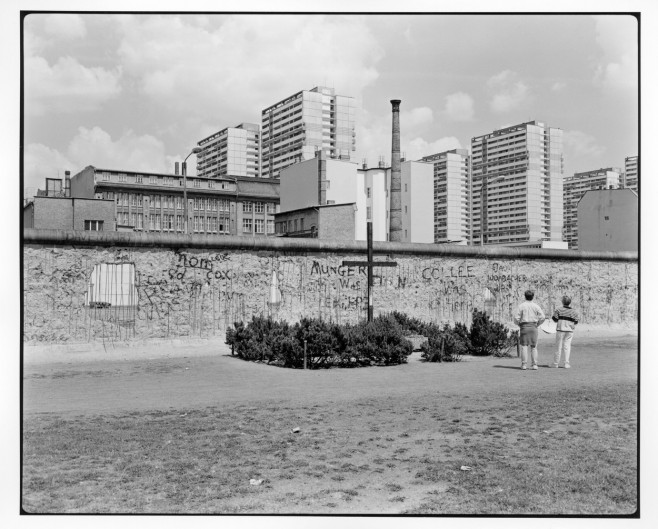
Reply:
x=380 y=342
x=323 y=341
x=444 y=345
x=488 y=337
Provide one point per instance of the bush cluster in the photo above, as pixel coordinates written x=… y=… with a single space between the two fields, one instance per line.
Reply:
x=380 y=342
x=448 y=344
x=328 y=344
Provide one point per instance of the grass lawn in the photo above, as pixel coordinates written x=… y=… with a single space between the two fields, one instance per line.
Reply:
x=555 y=451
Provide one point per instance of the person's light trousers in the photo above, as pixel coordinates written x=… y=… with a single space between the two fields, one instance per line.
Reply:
x=563 y=345
x=533 y=353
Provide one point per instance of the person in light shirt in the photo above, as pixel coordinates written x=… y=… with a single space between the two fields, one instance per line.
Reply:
x=528 y=317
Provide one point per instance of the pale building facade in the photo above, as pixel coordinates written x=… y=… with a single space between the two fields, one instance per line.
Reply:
x=295 y=128
x=233 y=151
x=452 y=195
x=575 y=187
x=517 y=175
x=631 y=173
x=325 y=181
x=608 y=220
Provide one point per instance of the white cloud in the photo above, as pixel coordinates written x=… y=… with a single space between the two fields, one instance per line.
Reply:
x=416 y=117
x=96 y=147
x=234 y=70
x=459 y=107
x=558 y=86
x=134 y=153
x=510 y=92
x=65 y=26
x=617 y=38
x=419 y=147
x=580 y=144
x=67 y=86
x=41 y=162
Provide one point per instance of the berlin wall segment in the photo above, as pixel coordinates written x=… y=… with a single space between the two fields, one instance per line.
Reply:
x=81 y=288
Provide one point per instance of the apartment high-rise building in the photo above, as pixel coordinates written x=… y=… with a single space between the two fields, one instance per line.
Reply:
x=575 y=187
x=631 y=176
x=306 y=122
x=452 y=195
x=516 y=175
x=233 y=151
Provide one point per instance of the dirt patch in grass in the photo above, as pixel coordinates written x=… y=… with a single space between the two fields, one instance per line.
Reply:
x=554 y=452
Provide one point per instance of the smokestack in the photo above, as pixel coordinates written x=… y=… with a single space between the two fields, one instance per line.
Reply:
x=395 y=219
x=176 y=168
x=67 y=183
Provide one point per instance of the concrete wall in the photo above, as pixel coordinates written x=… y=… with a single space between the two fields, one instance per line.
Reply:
x=417 y=202
x=299 y=185
x=196 y=286
x=608 y=220
x=337 y=223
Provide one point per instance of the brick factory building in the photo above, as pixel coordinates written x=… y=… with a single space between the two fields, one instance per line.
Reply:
x=154 y=202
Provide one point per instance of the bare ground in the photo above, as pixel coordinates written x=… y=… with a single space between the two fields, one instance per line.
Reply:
x=371 y=440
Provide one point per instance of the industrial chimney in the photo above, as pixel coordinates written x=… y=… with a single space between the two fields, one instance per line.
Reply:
x=176 y=168
x=395 y=222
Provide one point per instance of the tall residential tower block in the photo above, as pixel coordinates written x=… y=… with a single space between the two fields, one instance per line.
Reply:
x=452 y=196
x=575 y=187
x=233 y=151
x=311 y=120
x=517 y=175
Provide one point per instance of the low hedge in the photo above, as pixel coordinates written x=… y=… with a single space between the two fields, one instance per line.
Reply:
x=447 y=344
x=380 y=342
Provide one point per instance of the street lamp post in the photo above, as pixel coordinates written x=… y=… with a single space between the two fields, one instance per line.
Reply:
x=195 y=150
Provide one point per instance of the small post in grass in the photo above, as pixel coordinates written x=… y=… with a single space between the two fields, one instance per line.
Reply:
x=304 y=354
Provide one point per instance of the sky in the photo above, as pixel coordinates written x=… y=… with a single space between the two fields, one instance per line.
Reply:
x=138 y=91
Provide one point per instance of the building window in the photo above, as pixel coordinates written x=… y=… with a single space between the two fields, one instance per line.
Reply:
x=196 y=223
x=157 y=202
x=197 y=183
x=105 y=177
x=211 y=184
x=259 y=225
x=196 y=204
x=157 y=222
x=122 y=177
x=246 y=225
x=153 y=179
x=271 y=207
x=93 y=225
x=138 y=178
x=247 y=207
x=140 y=221
x=125 y=219
x=212 y=224
x=270 y=226
x=259 y=207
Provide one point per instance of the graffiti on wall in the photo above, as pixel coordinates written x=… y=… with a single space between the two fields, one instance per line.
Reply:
x=77 y=294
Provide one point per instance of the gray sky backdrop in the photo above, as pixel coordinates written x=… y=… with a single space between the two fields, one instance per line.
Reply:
x=137 y=92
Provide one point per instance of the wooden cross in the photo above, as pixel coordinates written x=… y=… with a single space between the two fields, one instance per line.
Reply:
x=370 y=263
